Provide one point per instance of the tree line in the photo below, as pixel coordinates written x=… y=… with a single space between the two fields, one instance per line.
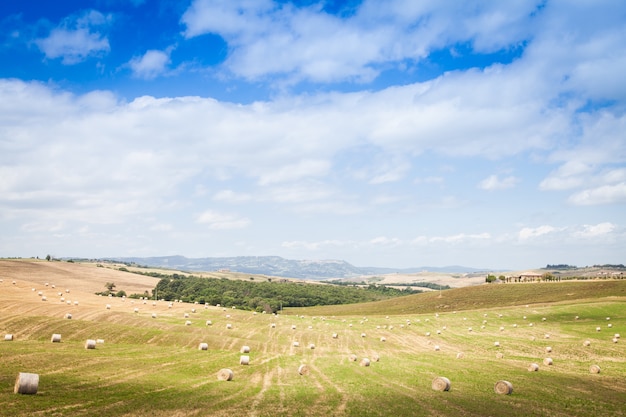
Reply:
x=266 y=296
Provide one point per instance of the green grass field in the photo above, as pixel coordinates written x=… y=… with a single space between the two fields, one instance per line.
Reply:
x=152 y=366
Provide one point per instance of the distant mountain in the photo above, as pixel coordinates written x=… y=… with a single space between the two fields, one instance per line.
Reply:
x=280 y=267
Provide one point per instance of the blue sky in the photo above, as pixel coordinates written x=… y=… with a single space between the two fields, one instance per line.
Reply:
x=399 y=133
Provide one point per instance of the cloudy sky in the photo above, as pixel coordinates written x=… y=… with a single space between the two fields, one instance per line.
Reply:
x=394 y=133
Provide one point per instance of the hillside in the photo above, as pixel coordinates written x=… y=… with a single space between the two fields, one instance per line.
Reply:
x=148 y=360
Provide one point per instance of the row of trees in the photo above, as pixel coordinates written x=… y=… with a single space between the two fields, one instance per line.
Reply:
x=266 y=296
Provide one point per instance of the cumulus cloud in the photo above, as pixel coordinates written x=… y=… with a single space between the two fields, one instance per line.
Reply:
x=600 y=229
x=606 y=194
x=77 y=38
x=150 y=65
x=267 y=37
x=530 y=233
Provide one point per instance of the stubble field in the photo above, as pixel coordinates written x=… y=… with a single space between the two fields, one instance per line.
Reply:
x=152 y=366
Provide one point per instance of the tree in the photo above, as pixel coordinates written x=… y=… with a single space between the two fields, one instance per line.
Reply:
x=490 y=278
x=110 y=286
x=48 y=257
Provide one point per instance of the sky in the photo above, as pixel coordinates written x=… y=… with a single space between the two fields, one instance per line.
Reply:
x=398 y=133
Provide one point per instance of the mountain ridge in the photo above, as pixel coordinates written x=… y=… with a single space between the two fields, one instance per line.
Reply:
x=279 y=266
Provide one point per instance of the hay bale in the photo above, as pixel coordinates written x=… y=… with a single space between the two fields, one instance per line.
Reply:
x=499 y=355
x=608 y=325
x=154 y=316
x=273 y=325
x=56 y=338
x=437 y=348
x=26 y=383
x=441 y=383
x=229 y=326
x=244 y=360
x=375 y=357
x=303 y=370
x=594 y=369
x=548 y=349
x=364 y=362
x=68 y=316
x=136 y=310
x=460 y=355
x=496 y=344
x=203 y=346
x=245 y=349
x=225 y=375
x=108 y=306
x=352 y=358
x=547 y=336
x=586 y=343
x=296 y=344
x=187 y=323
x=382 y=339
x=548 y=361
x=312 y=346
x=363 y=334
x=8 y=337
x=209 y=322
x=503 y=387
x=533 y=367
x=100 y=341
x=598 y=329
x=90 y=344
x=615 y=340
x=335 y=335
x=293 y=327
x=186 y=315
x=617 y=336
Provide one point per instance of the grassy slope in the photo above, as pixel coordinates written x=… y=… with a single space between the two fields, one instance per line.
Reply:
x=151 y=367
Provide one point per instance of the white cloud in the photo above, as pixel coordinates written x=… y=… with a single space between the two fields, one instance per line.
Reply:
x=461 y=237
x=222 y=221
x=493 y=182
x=600 y=229
x=530 y=233
x=76 y=39
x=267 y=38
x=150 y=65
x=606 y=194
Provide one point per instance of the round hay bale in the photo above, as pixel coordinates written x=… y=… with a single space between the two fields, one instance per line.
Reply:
x=188 y=323
x=244 y=360
x=496 y=344
x=68 y=316
x=608 y=325
x=225 y=375
x=533 y=367
x=90 y=344
x=352 y=358
x=382 y=339
x=598 y=329
x=229 y=326
x=296 y=344
x=245 y=349
x=293 y=327
x=614 y=340
x=100 y=341
x=273 y=325
x=136 y=310
x=303 y=370
x=108 y=306
x=441 y=383
x=548 y=349
x=203 y=346
x=460 y=355
x=26 y=383
x=594 y=369
x=375 y=357
x=312 y=346
x=363 y=334
x=186 y=315
x=8 y=337
x=335 y=335
x=503 y=387
x=364 y=362
x=587 y=343
x=427 y=334
x=548 y=361
x=209 y=322
x=56 y=338
x=154 y=316
x=499 y=355
x=437 y=348
x=617 y=336
x=547 y=336
x=44 y=298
